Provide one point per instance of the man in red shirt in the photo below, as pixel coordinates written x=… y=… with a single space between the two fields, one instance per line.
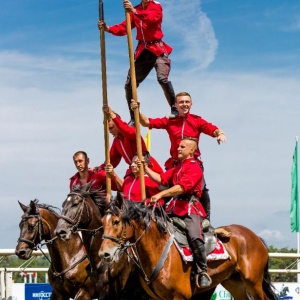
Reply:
x=185 y=180
x=183 y=125
x=151 y=52
x=124 y=142
x=85 y=175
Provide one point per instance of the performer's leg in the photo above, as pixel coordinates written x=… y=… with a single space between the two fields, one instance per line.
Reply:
x=163 y=67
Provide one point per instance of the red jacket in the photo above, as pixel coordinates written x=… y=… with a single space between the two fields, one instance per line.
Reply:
x=188 y=174
x=132 y=188
x=189 y=126
x=147 y=22
x=124 y=146
x=98 y=178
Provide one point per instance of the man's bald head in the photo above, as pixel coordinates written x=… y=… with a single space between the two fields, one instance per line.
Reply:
x=186 y=148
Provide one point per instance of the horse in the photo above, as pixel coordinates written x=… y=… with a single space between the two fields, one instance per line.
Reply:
x=67 y=272
x=81 y=213
x=164 y=275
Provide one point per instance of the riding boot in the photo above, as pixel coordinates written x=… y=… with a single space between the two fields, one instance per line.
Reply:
x=199 y=253
x=170 y=96
x=128 y=94
x=205 y=201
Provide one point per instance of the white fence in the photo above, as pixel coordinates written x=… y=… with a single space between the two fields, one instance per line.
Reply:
x=6 y=273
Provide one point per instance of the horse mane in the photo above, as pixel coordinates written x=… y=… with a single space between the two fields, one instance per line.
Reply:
x=48 y=207
x=139 y=212
x=98 y=196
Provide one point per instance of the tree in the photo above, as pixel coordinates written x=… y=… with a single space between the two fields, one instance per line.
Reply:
x=282 y=263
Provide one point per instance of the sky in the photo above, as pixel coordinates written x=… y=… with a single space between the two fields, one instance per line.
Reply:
x=240 y=61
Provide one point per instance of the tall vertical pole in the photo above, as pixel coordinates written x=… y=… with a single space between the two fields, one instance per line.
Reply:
x=134 y=95
x=104 y=96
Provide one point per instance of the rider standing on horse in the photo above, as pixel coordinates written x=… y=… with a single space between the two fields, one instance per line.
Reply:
x=151 y=51
x=184 y=124
x=185 y=180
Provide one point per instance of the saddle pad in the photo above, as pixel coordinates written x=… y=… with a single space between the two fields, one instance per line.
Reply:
x=218 y=253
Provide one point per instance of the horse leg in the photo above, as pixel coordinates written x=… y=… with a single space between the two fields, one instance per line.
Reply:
x=206 y=295
x=236 y=288
x=57 y=295
x=82 y=294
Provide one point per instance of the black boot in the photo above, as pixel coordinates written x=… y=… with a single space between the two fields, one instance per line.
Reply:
x=170 y=96
x=205 y=201
x=128 y=94
x=201 y=263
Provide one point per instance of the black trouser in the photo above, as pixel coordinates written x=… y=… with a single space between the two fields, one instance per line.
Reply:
x=143 y=66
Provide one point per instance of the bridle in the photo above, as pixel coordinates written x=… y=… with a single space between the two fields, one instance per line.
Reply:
x=126 y=245
x=76 y=220
x=35 y=244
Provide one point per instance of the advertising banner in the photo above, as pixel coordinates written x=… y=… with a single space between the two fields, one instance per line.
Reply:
x=38 y=291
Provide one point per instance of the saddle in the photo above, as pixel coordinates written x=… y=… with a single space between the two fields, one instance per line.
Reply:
x=178 y=228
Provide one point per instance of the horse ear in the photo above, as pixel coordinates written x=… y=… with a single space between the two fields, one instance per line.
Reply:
x=119 y=200
x=23 y=206
x=33 y=208
x=88 y=186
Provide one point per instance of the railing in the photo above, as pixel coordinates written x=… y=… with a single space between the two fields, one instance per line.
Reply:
x=6 y=273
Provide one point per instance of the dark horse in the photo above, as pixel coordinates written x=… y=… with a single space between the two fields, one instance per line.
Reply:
x=128 y=224
x=67 y=273
x=80 y=212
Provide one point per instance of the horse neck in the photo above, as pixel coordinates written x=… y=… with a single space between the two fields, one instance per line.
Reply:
x=149 y=238
x=92 y=238
x=61 y=252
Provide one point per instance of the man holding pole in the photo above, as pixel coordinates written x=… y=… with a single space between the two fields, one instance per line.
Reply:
x=151 y=51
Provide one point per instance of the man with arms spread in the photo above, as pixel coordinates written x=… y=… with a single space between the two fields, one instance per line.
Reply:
x=185 y=180
x=151 y=51
x=183 y=125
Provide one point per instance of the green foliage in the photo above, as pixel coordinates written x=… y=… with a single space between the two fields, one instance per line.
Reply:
x=282 y=263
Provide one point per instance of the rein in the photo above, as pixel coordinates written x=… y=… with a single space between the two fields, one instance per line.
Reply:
x=123 y=245
x=39 y=245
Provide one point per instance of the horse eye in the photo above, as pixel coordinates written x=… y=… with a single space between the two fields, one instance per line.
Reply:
x=31 y=227
x=116 y=222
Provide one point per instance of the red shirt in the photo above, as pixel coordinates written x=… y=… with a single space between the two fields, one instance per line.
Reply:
x=147 y=22
x=188 y=174
x=124 y=146
x=132 y=188
x=98 y=178
x=180 y=127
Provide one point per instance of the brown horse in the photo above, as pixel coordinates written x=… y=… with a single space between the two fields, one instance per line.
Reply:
x=164 y=275
x=67 y=273
x=80 y=212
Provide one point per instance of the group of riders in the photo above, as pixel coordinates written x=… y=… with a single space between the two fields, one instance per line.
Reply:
x=181 y=187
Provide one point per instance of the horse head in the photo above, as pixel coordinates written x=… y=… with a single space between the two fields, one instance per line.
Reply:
x=122 y=223
x=78 y=210
x=30 y=230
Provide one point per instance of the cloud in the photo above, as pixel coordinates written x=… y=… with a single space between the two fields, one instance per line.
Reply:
x=196 y=41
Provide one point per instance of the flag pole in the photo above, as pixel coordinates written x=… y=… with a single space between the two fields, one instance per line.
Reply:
x=296 y=195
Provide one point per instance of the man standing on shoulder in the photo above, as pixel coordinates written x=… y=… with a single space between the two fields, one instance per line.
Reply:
x=183 y=125
x=185 y=180
x=151 y=51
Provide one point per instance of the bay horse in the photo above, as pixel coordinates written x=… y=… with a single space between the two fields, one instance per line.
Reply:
x=67 y=272
x=129 y=224
x=81 y=213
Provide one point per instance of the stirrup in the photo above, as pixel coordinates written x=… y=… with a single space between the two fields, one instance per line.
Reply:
x=205 y=280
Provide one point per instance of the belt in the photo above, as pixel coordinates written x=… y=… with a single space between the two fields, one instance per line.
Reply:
x=150 y=42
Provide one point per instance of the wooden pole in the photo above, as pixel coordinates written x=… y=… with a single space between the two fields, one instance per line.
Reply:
x=104 y=96
x=134 y=96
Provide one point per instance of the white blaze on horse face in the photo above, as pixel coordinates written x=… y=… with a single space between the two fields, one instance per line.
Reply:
x=108 y=217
